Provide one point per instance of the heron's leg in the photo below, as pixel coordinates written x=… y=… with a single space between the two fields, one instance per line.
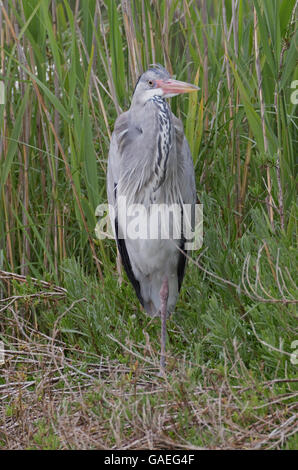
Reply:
x=164 y=294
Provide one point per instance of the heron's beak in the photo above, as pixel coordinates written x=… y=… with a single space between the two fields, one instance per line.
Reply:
x=173 y=87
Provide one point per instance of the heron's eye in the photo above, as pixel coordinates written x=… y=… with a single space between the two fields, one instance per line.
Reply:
x=151 y=83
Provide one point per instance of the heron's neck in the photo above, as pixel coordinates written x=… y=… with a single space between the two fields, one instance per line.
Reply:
x=164 y=141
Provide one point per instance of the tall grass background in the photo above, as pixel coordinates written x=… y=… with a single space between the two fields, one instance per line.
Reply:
x=69 y=68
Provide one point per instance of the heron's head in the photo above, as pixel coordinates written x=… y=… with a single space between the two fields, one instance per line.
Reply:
x=157 y=81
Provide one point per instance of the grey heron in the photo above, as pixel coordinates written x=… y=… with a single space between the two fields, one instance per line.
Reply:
x=150 y=163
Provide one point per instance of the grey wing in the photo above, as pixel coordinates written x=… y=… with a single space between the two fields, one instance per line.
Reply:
x=187 y=187
x=187 y=181
x=113 y=177
x=113 y=171
x=114 y=162
x=186 y=173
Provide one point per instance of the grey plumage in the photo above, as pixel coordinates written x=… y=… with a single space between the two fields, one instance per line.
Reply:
x=150 y=163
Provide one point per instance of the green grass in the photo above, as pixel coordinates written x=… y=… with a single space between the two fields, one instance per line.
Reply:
x=80 y=346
